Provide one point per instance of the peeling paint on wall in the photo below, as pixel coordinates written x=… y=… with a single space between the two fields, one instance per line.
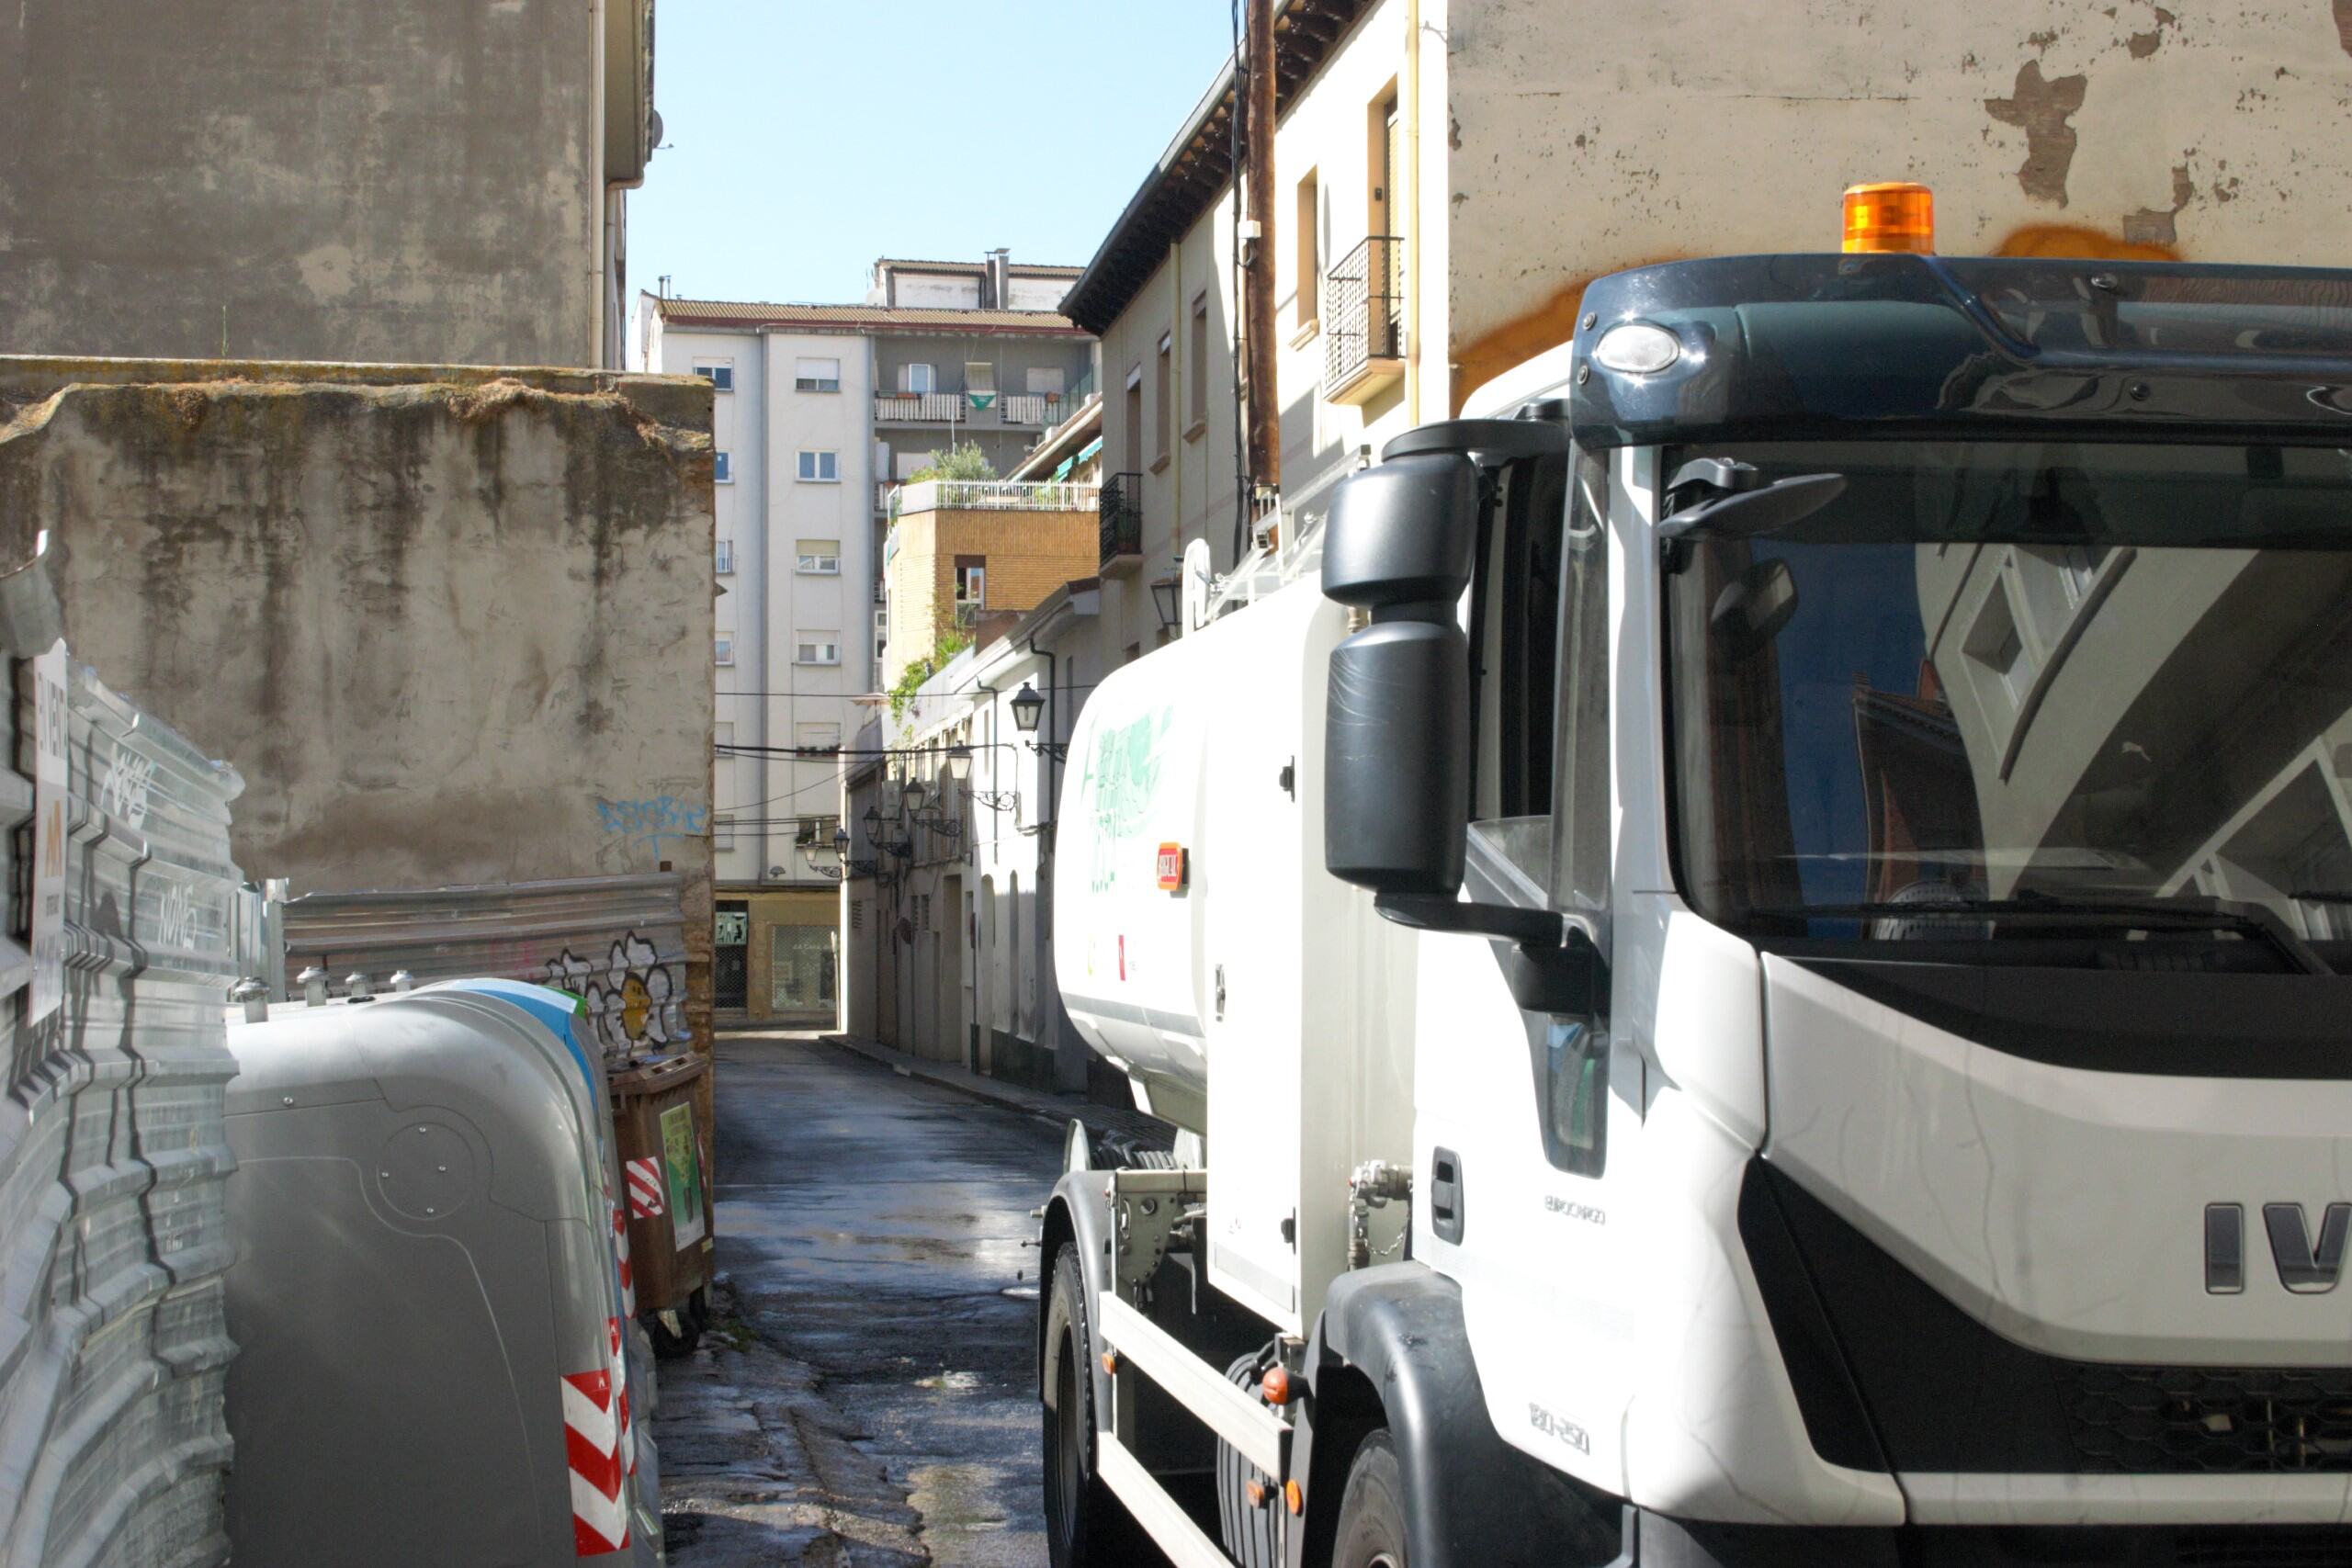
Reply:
x=2158 y=226
x=2040 y=108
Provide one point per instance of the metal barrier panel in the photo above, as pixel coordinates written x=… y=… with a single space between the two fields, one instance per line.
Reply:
x=113 y=1348
x=620 y=941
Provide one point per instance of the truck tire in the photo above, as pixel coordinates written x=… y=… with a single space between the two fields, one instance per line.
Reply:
x=1371 y=1531
x=1086 y=1527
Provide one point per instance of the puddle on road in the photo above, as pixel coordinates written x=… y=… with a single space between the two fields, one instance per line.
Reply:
x=956 y=1382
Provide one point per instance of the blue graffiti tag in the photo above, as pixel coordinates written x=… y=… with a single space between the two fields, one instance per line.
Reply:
x=651 y=821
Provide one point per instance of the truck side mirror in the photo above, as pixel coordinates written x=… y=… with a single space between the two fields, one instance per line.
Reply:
x=1397 y=741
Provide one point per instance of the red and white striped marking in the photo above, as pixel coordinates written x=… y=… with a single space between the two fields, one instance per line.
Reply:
x=620 y=1249
x=645 y=1200
x=596 y=1421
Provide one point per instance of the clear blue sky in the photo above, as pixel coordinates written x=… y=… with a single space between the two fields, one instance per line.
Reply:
x=802 y=140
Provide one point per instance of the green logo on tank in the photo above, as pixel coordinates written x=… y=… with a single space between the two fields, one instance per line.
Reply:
x=1124 y=774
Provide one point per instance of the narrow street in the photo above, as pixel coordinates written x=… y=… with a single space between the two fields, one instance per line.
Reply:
x=865 y=1395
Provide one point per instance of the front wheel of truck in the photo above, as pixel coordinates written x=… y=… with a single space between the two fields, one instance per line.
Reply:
x=1086 y=1527
x=1371 y=1529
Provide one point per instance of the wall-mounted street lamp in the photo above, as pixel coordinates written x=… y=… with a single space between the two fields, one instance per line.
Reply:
x=842 y=844
x=1168 y=598
x=1028 y=707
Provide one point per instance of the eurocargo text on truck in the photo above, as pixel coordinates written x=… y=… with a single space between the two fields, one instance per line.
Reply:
x=1750 y=947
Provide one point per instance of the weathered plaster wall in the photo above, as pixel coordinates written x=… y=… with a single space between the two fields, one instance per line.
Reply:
x=452 y=626
x=1586 y=136
x=384 y=180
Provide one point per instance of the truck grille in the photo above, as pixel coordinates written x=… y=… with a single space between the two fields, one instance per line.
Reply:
x=2218 y=1421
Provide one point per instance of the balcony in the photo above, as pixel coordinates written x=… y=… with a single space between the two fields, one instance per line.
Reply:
x=921 y=408
x=1121 y=509
x=1364 y=321
x=989 y=495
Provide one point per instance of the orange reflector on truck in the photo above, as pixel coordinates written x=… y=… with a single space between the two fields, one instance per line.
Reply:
x=1894 y=215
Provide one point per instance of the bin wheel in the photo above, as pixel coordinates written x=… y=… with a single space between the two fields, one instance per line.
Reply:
x=1086 y=1527
x=669 y=1346
x=1371 y=1531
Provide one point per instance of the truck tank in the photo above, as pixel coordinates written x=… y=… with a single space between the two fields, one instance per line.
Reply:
x=1203 y=950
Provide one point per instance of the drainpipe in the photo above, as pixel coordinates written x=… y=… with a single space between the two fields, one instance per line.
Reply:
x=1258 y=279
x=1412 y=206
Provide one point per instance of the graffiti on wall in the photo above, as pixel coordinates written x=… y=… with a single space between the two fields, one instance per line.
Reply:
x=649 y=822
x=635 y=1002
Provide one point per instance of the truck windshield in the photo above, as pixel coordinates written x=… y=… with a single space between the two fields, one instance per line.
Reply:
x=2077 y=696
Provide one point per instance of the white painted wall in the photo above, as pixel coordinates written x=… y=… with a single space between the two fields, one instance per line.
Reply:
x=1588 y=137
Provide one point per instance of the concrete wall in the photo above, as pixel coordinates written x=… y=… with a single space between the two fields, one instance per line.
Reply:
x=308 y=179
x=1588 y=137
x=452 y=627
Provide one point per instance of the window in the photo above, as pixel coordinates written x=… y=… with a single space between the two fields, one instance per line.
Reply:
x=819 y=557
x=1307 y=238
x=819 y=648
x=801 y=963
x=817 y=737
x=722 y=832
x=881 y=633
x=725 y=562
x=980 y=383
x=1196 y=369
x=719 y=373
x=971 y=581
x=723 y=467
x=1135 y=420
x=817 y=375
x=1044 y=380
x=723 y=649
x=820 y=468
x=915 y=377
x=1163 y=412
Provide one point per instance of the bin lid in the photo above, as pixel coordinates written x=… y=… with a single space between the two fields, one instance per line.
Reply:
x=559 y=1010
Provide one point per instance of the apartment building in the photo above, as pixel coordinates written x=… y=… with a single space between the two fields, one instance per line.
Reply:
x=820 y=411
x=434 y=182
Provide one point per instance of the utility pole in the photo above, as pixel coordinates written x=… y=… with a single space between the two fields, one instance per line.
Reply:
x=1265 y=445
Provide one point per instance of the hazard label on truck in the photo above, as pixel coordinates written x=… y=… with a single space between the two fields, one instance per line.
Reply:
x=1173 y=864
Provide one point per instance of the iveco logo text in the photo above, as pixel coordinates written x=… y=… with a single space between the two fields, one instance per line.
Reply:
x=1558 y=1427
x=2306 y=1267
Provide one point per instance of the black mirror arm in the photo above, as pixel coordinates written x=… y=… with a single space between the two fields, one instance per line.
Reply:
x=1556 y=967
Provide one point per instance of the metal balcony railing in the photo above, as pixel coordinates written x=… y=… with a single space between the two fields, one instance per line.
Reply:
x=921 y=408
x=989 y=495
x=1121 y=510
x=1363 y=312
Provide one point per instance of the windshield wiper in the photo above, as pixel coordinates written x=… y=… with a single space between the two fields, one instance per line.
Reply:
x=2179 y=913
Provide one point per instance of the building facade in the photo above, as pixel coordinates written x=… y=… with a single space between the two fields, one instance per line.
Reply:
x=438 y=182
x=820 y=411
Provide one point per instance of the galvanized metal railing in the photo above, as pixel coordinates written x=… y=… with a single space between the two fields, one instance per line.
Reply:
x=113 y=1346
x=1121 y=510
x=1363 y=309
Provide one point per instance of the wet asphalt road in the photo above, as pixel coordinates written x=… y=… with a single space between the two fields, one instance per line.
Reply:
x=868 y=1394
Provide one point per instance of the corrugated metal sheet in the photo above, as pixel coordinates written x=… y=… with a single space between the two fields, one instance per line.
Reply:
x=112 y=1161
x=620 y=941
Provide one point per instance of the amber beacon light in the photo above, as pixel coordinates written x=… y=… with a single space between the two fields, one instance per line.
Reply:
x=1892 y=216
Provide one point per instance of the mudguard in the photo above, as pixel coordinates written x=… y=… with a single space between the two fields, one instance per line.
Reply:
x=1471 y=1499
x=1080 y=1210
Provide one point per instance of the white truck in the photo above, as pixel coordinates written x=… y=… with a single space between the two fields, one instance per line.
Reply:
x=1753 y=957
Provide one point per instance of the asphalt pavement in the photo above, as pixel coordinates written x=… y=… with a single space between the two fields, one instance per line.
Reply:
x=866 y=1394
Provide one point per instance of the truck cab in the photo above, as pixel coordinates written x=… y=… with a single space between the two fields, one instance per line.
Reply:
x=1853 y=756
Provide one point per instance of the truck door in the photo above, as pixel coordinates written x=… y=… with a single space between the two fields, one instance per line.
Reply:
x=1520 y=1194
